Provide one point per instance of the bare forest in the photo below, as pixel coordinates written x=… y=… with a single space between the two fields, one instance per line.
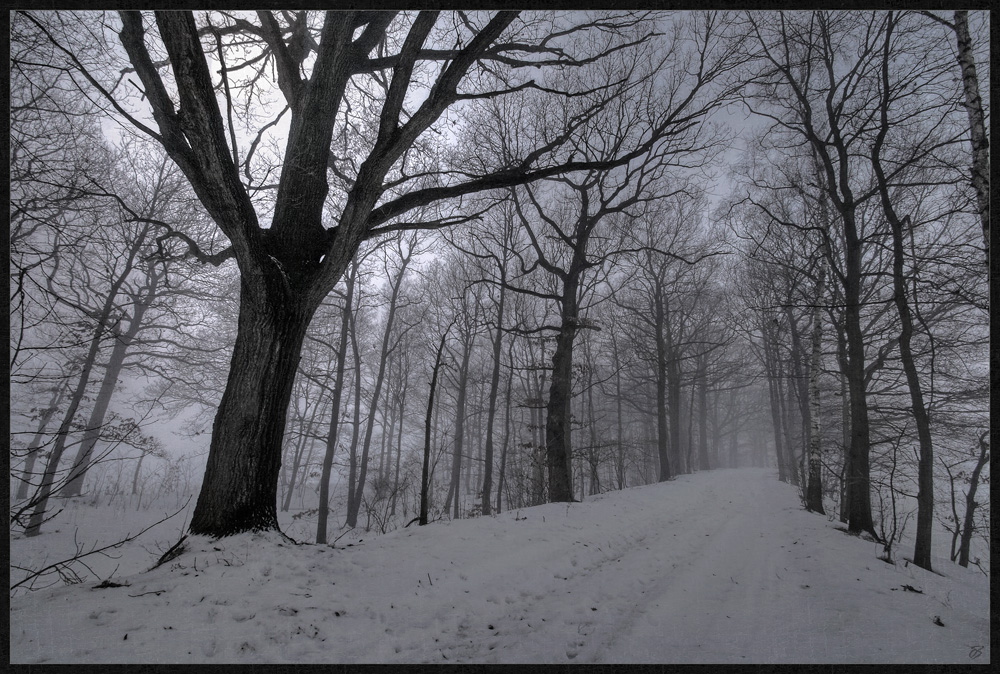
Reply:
x=348 y=273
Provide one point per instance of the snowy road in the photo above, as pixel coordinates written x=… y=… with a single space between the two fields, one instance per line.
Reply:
x=716 y=567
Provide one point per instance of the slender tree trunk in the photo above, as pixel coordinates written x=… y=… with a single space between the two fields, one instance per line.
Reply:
x=770 y=373
x=619 y=420
x=506 y=432
x=425 y=470
x=494 y=389
x=970 y=501
x=388 y=421
x=300 y=453
x=798 y=395
x=40 y=500
x=814 y=487
x=116 y=361
x=704 y=461
x=338 y=391
x=352 y=473
x=689 y=427
x=399 y=442
x=396 y=283
x=300 y=448
x=663 y=408
x=135 y=475
x=720 y=458
x=674 y=404
x=459 y=445
x=925 y=469
x=594 y=478
x=977 y=125
x=34 y=447
x=786 y=391
x=538 y=441
x=845 y=422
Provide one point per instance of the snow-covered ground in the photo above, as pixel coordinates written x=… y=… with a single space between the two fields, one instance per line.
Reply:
x=717 y=567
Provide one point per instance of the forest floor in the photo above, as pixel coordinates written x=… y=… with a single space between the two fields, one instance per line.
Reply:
x=717 y=567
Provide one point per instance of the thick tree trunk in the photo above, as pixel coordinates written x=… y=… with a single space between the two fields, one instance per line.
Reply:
x=858 y=474
x=814 y=486
x=239 y=491
x=558 y=412
x=338 y=391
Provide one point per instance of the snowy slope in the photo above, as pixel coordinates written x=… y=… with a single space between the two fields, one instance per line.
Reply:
x=722 y=566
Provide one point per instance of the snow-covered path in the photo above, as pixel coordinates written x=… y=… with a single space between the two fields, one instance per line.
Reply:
x=722 y=566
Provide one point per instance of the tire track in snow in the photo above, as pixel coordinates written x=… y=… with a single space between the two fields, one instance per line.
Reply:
x=573 y=618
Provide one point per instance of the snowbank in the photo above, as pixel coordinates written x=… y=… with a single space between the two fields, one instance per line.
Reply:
x=717 y=567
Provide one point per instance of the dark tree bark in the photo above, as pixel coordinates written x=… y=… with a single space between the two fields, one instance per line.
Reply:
x=288 y=267
x=243 y=482
x=558 y=409
x=494 y=389
x=704 y=460
x=666 y=377
x=968 y=526
x=506 y=428
x=352 y=473
x=814 y=486
x=925 y=467
x=771 y=373
x=817 y=113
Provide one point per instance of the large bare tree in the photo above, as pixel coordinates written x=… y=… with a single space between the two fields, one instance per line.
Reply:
x=380 y=83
